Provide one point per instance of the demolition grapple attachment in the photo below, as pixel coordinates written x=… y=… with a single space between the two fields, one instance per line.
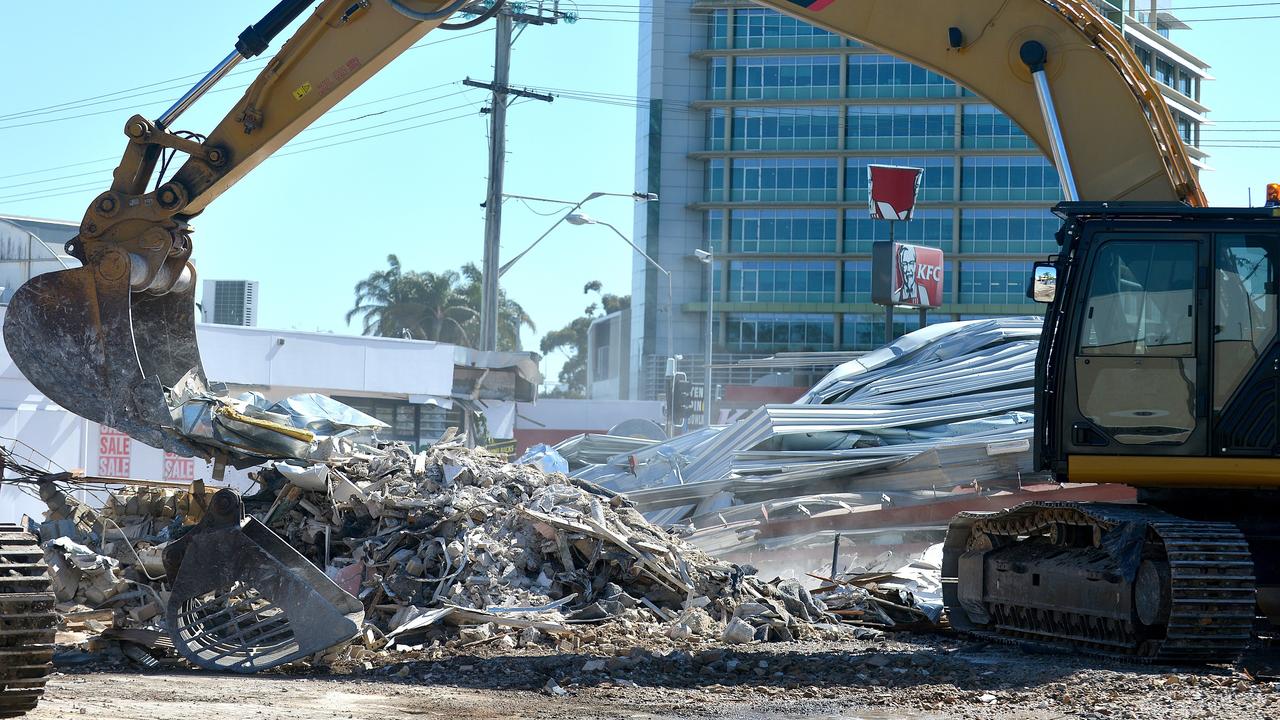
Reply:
x=245 y=601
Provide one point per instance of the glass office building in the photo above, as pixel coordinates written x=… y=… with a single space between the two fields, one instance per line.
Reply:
x=757 y=138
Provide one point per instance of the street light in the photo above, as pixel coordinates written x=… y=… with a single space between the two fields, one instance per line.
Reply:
x=708 y=257
x=577 y=218
x=638 y=196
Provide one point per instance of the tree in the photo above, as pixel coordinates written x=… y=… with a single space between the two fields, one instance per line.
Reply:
x=419 y=305
x=572 y=339
x=511 y=316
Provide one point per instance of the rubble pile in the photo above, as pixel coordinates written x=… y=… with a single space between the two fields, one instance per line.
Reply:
x=458 y=544
x=446 y=547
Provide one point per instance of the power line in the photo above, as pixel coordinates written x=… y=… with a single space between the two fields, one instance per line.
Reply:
x=118 y=95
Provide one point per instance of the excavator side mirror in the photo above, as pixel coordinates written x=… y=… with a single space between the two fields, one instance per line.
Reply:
x=1044 y=282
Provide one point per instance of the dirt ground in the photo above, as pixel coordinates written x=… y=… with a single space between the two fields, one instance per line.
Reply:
x=905 y=677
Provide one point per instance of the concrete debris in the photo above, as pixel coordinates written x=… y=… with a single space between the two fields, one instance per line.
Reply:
x=449 y=546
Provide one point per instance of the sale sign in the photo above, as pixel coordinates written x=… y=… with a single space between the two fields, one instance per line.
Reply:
x=893 y=189
x=909 y=275
x=179 y=469
x=114 y=450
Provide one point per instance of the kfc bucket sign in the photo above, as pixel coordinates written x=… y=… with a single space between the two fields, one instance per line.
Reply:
x=903 y=274
x=892 y=191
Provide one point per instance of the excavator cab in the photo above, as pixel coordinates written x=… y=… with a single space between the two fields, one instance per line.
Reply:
x=1161 y=343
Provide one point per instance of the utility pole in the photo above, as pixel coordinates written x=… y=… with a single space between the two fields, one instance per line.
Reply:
x=497 y=164
x=493 y=201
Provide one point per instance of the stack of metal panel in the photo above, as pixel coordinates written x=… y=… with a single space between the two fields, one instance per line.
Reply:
x=941 y=413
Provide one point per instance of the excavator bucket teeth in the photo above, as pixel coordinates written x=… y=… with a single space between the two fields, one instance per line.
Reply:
x=106 y=354
x=244 y=601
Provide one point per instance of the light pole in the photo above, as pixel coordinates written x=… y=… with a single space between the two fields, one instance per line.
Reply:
x=577 y=218
x=708 y=258
x=637 y=196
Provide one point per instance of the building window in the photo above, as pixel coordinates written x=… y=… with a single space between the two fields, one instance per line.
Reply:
x=1165 y=73
x=994 y=282
x=715 y=230
x=813 y=128
x=715 y=129
x=761 y=28
x=1010 y=179
x=901 y=127
x=987 y=128
x=937 y=184
x=1185 y=84
x=926 y=227
x=865 y=331
x=855 y=278
x=719 y=39
x=718 y=79
x=779 y=281
x=1186 y=129
x=1008 y=231
x=759 y=332
x=782 y=231
x=418 y=425
x=784 y=180
x=786 y=78
x=884 y=76
x=715 y=181
x=1144 y=57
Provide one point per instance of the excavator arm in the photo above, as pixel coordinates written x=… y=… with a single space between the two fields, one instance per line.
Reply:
x=109 y=340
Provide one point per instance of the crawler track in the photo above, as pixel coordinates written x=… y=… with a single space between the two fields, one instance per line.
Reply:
x=27 y=622
x=1205 y=569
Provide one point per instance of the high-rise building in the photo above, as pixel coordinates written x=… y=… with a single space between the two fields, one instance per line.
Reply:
x=757 y=136
x=230 y=302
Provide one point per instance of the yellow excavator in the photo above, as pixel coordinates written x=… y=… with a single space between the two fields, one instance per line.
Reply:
x=1158 y=365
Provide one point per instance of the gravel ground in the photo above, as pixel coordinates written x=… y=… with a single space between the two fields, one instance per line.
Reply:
x=901 y=677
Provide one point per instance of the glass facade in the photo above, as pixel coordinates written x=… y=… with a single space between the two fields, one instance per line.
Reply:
x=771 y=332
x=1019 y=178
x=994 y=282
x=783 y=180
x=775 y=128
x=760 y=28
x=782 y=281
x=774 y=77
x=900 y=127
x=884 y=76
x=930 y=227
x=793 y=115
x=1010 y=231
x=782 y=231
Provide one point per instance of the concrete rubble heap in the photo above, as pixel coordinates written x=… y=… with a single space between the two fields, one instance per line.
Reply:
x=451 y=546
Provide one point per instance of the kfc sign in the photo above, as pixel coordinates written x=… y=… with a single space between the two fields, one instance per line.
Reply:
x=893 y=191
x=903 y=274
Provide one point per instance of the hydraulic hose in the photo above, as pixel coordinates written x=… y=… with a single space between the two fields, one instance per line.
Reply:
x=443 y=12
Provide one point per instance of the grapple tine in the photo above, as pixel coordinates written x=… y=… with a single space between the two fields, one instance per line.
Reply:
x=244 y=600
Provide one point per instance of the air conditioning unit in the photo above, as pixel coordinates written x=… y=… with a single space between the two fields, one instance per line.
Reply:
x=230 y=302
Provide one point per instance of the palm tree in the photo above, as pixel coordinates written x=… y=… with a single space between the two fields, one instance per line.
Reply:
x=511 y=316
x=423 y=306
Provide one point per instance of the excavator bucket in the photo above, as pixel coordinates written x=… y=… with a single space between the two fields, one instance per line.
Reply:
x=244 y=601
x=105 y=353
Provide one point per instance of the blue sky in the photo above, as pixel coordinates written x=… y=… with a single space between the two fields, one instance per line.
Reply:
x=310 y=225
